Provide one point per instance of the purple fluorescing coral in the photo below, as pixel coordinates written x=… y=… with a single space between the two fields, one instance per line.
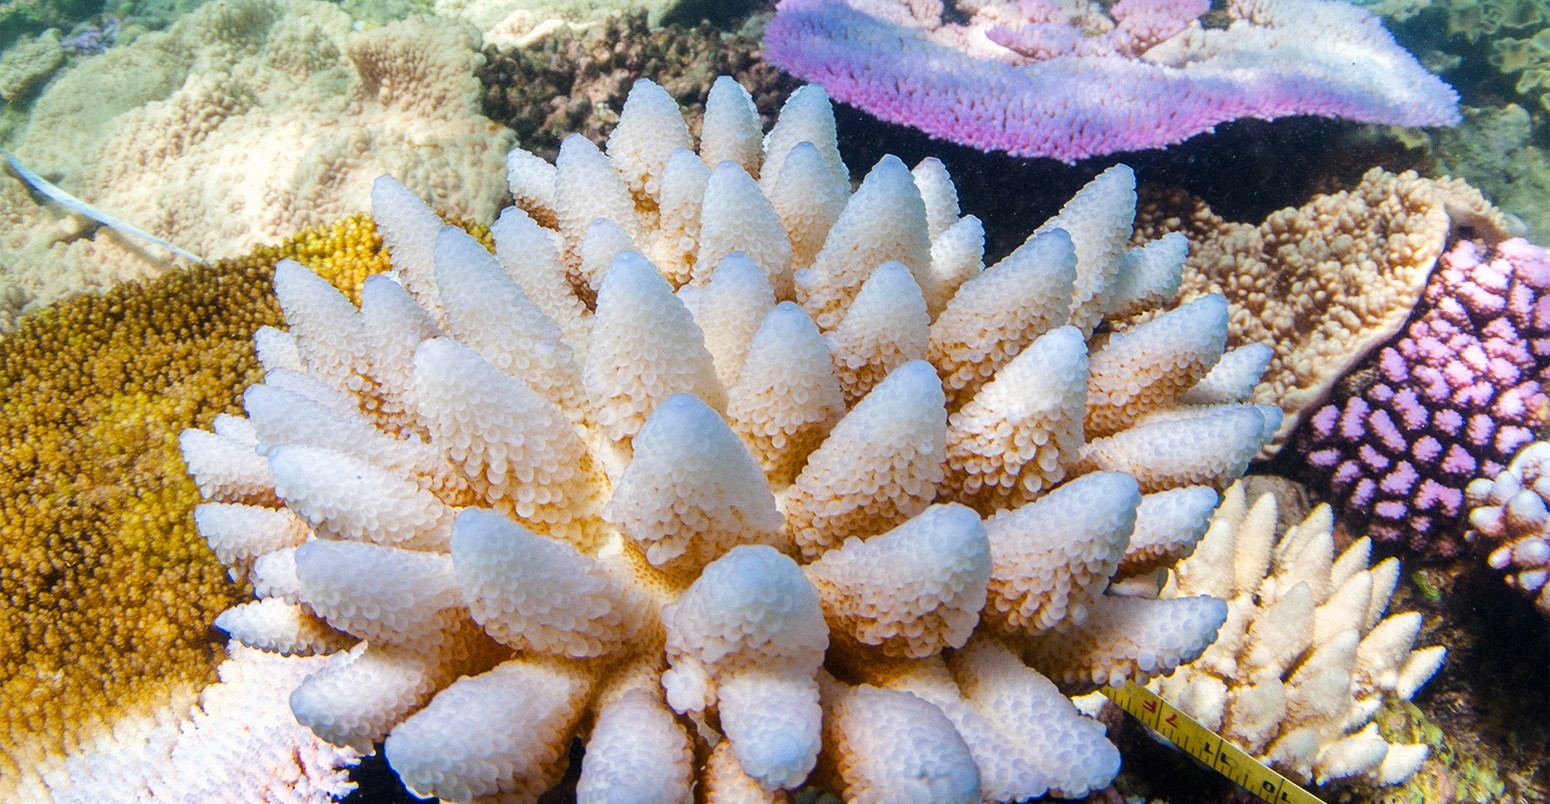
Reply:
x=1038 y=79
x=95 y=37
x=1451 y=398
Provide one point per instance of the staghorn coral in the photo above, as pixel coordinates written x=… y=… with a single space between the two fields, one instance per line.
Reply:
x=1451 y=398
x=1306 y=657
x=244 y=123
x=1325 y=283
x=576 y=80
x=108 y=591
x=574 y=527
x=1508 y=510
x=1069 y=81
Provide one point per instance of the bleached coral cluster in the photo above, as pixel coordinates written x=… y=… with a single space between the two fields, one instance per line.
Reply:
x=240 y=742
x=1512 y=511
x=1306 y=657
x=713 y=458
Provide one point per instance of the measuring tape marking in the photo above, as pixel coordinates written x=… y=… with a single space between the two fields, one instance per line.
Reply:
x=1208 y=746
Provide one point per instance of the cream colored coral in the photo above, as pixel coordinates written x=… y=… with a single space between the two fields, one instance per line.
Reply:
x=1325 y=283
x=247 y=122
x=640 y=465
x=1306 y=657
x=1510 y=511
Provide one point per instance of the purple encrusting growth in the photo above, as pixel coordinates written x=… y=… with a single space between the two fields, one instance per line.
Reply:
x=1029 y=79
x=1451 y=398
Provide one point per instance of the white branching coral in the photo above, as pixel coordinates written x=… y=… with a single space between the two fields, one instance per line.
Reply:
x=715 y=459
x=1512 y=512
x=1306 y=656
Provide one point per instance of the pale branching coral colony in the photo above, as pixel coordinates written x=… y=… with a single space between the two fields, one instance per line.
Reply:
x=747 y=480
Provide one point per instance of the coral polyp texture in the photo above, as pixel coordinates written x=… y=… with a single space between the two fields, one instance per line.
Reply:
x=1306 y=657
x=1324 y=283
x=712 y=461
x=1453 y=397
x=1070 y=80
x=1510 y=511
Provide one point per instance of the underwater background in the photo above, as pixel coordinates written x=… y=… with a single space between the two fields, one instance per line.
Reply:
x=1376 y=233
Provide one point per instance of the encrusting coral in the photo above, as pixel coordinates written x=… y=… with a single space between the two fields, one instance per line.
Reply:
x=520 y=486
x=1511 y=511
x=108 y=590
x=1306 y=656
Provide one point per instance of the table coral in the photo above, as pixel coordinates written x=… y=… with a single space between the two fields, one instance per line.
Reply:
x=1307 y=656
x=1509 y=511
x=1451 y=398
x=244 y=123
x=530 y=530
x=108 y=591
x=1325 y=283
x=1069 y=81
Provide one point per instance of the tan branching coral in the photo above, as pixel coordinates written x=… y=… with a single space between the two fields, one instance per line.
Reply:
x=1324 y=283
x=698 y=527
x=1306 y=656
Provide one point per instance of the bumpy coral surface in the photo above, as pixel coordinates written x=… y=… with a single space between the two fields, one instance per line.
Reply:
x=1306 y=656
x=716 y=458
x=107 y=590
x=243 y=124
x=1327 y=282
x=1452 y=398
x=1511 y=511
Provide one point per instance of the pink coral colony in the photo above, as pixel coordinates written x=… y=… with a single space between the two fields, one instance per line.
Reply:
x=1452 y=398
x=1067 y=80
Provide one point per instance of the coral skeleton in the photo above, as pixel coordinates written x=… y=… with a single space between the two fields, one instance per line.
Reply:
x=1306 y=656
x=709 y=465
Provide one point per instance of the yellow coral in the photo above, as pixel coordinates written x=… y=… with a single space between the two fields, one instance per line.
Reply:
x=108 y=591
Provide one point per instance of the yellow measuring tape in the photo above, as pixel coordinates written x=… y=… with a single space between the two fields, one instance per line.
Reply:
x=1208 y=747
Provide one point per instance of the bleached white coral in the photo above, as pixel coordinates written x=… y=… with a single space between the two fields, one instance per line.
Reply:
x=704 y=452
x=1306 y=656
x=1512 y=512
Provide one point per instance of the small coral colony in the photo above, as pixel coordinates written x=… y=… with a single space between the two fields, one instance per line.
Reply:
x=755 y=483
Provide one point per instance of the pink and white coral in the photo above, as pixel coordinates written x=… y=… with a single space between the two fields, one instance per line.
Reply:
x=1511 y=511
x=1068 y=81
x=558 y=487
x=1450 y=399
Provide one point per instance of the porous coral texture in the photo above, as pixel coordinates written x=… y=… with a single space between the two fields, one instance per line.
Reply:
x=1451 y=399
x=243 y=124
x=663 y=549
x=1306 y=657
x=1325 y=283
x=1510 y=511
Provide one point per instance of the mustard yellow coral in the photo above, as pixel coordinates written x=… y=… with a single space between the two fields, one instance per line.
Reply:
x=107 y=590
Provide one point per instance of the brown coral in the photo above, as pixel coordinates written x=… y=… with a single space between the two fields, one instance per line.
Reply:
x=576 y=81
x=1323 y=283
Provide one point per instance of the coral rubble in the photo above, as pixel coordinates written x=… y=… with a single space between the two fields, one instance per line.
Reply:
x=520 y=485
